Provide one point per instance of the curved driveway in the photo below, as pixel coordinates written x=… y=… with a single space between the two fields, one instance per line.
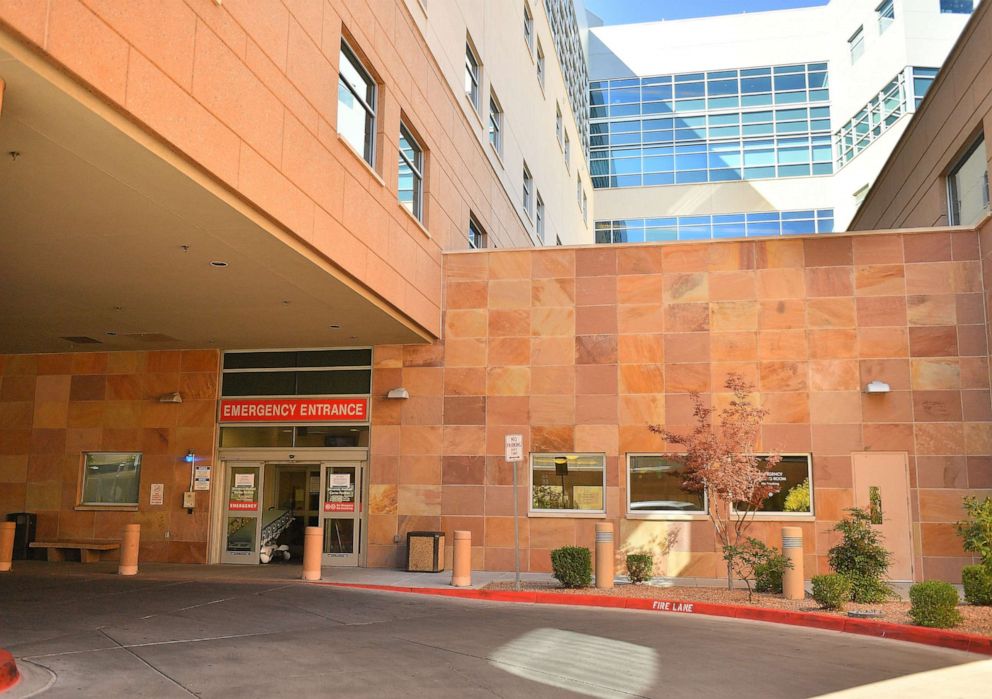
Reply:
x=106 y=636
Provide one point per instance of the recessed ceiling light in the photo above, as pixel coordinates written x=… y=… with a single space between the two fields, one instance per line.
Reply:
x=218 y=263
x=111 y=333
x=335 y=326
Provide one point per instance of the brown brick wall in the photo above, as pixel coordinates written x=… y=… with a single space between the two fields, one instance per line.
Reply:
x=53 y=407
x=578 y=349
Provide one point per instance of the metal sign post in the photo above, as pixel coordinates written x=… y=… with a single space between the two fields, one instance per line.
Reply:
x=514 y=455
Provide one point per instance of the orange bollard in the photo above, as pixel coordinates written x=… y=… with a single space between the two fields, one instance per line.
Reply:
x=461 y=567
x=129 y=550
x=604 y=556
x=313 y=549
x=792 y=548
x=6 y=544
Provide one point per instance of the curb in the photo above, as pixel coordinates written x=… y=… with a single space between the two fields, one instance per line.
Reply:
x=955 y=640
x=9 y=676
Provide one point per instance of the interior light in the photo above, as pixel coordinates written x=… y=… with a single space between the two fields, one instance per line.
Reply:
x=190 y=456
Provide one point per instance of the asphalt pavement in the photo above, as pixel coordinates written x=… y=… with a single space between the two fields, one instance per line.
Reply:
x=101 y=635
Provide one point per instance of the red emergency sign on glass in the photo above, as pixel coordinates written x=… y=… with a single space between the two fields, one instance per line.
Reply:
x=295 y=410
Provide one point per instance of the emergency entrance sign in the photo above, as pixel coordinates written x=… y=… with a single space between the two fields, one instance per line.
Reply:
x=514 y=448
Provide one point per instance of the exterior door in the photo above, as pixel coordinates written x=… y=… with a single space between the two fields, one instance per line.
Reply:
x=881 y=486
x=341 y=500
x=243 y=512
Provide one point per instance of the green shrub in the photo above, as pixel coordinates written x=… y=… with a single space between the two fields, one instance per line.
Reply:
x=976 y=530
x=572 y=566
x=934 y=604
x=977 y=582
x=831 y=591
x=760 y=566
x=640 y=567
x=861 y=558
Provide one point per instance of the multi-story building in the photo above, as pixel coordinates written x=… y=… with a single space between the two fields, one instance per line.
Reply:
x=237 y=299
x=756 y=124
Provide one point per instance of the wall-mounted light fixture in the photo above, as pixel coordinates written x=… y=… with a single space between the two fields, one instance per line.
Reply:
x=398 y=394
x=877 y=387
x=175 y=397
x=190 y=456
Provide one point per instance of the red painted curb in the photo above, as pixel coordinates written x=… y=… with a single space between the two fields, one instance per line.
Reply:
x=865 y=627
x=9 y=676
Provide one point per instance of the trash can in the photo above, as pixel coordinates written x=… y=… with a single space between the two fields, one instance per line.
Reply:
x=26 y=524
x=425 y=552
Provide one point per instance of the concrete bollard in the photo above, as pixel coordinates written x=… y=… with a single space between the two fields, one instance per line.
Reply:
x=6 y=544
x=313 y=549
x=129 y=550
x=792 y=548
x=461 y=564
x=605 y=565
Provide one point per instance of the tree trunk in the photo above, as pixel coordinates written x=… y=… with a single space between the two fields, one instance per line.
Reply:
x=730 y=575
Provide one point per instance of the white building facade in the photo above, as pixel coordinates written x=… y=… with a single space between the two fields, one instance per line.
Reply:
x=771 y=123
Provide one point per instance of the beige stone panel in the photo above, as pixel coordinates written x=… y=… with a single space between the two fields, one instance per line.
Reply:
x=935 y=374
x=422 y=500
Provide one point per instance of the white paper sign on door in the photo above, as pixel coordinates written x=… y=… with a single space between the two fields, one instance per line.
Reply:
x=244 y=480
x=338 y=480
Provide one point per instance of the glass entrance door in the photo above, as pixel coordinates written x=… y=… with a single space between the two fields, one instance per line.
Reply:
x=242 y=521
x=341 y=512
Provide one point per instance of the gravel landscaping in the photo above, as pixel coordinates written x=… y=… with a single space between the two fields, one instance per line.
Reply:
x=976 y=620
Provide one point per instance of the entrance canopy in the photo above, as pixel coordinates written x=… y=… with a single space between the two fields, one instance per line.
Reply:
x=109 y=240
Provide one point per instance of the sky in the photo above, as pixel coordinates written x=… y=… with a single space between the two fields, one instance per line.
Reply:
x=626 y=11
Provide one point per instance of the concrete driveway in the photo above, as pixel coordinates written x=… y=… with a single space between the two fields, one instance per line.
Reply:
x=106 y=636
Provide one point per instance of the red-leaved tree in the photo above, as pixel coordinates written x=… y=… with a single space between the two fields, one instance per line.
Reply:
x=718 y=460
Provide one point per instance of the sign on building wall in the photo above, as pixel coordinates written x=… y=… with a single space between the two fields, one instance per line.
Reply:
x=294 y=410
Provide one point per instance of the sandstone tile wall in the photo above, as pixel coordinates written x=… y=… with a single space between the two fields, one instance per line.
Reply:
x=53 y=407
x=578 y=349
x=247 y=90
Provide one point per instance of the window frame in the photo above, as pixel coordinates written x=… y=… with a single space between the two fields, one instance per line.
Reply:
x=539 y=216
x=661 y=514
x=541 y=63
x=370 y=148
x=416 y=168
x=567 y=147
x=82 y=503
x=767 y=515
x=885 y=11
x=528 y=192
x=473 y=73
x=532 y=512
x=496 y=121
x=483 y=237
x=529 y=28
x=559 y=125
x=856 y=44
x=953 y=207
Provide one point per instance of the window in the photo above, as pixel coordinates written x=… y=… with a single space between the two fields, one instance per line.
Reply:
x=356 y=104
x=540 y=64
x=578 y=189
x=795 y=487
x=539 y=218
x=886 y=15
x=585 y=208
x=495 y=123
x=958 y=7
x=654 y=484
x=856 y=44
x=559 y=124
x=528 y=27
x=568 y=151
x=472 y=70
x=411 y=174
x=568 y=482
x=111 y=478
x=558 y=241
x=968 y=186
x=757 y=224
x=528 y=190
x=476 y=234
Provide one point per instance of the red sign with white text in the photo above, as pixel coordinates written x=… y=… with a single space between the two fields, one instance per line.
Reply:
x=237 y=505
x=339 y=507
x=295 y=410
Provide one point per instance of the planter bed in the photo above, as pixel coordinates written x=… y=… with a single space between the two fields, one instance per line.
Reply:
x=975 y=620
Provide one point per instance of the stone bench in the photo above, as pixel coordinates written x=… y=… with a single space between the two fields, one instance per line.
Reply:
x=89 y=549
